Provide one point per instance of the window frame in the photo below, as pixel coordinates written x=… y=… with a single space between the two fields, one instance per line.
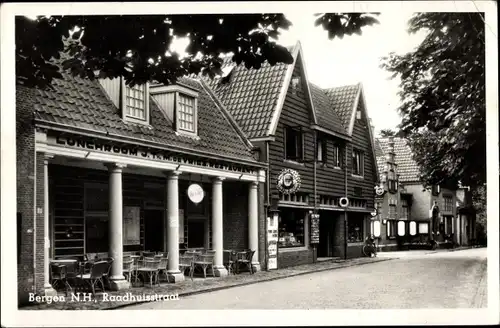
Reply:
x=130 y=118
x=336 y=156
x=299 y=131
x=178 y=95
x=391 y=229
x=323 y=143
x=450 y=203
x=359 y=152
x=305 y=228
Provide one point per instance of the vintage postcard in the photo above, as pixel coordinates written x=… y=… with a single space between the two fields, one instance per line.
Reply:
x=274 y=163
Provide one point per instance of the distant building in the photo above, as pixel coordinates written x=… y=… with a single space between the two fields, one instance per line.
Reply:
x=411 y=213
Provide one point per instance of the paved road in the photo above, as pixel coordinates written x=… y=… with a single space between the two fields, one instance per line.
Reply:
x=416 y=280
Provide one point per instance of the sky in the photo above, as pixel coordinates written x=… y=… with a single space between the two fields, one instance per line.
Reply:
x=355 y=59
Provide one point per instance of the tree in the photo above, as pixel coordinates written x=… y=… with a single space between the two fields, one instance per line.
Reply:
x=137 y=47
x=442 y=85
x=384 y=133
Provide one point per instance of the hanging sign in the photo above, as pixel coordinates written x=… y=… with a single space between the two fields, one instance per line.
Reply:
x=314 y=228
x=288 y=181
x=379 y=190
x=195 y=193
x=272 y=242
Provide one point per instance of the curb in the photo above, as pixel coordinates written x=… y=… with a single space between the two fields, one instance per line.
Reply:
x=250 y=283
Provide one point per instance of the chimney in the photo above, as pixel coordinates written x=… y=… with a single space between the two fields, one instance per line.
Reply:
x=391 y=156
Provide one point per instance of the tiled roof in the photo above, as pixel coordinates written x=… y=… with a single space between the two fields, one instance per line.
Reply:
x=343 y=99
x=80 y=103
x=408 y=169
x=326 y=116
x=251 y=95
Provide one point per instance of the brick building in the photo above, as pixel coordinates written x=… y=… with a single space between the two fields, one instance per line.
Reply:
x=409 y=211
x=103 y=167
x=320 y=136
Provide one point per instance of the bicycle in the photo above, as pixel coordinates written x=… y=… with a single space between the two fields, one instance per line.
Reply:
x=369 y=250
x=433 y=244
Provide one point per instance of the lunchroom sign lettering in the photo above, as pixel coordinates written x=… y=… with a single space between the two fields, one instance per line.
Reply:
x=142 y=153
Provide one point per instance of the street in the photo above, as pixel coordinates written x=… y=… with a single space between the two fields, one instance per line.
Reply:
x=416 y=280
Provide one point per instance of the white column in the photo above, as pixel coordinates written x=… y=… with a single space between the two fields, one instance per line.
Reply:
x=217 y=240
x=49 y=291
x=253 y=224
x=116 y=226
x=174 y=273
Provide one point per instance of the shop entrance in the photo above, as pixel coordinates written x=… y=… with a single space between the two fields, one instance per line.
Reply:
x=153 y=230
x=326 y=235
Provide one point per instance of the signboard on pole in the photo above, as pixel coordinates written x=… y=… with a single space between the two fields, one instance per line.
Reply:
x=272 y=242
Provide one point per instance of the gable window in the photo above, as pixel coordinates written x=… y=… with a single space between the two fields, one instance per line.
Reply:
x=392 y=181
x=293 y=144
x=186 y=113
x=392 y=211
x=336 y=156
x=357 y=162
x=135 y=103
x=179 y=104
x=448 y=203
x=321 y=150
x=436 y=190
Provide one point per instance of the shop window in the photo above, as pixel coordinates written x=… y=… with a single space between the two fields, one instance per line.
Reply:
x=293 y=144
x=448 y=203
x=375 y=228
x=355 y=231
x=96 y=234
x=413 y=228
x=336 y=156
x=291 y=228
x=96 y=198
x=423 y=228
x=391 y=228
x=321 y=150
x=136 y=103
x=357 y=162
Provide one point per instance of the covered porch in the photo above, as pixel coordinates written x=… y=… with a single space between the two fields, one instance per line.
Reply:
x=115 y=205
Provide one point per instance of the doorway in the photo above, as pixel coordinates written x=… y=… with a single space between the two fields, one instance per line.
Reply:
x=153 y=230
x=326 y=235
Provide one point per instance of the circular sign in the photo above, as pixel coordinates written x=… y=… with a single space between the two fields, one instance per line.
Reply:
x=379 y=190
x=195 y=193
x=288 y=181
x=374 y=213
x=344 y=202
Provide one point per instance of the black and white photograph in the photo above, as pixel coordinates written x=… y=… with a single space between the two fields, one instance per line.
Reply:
x=271 y=163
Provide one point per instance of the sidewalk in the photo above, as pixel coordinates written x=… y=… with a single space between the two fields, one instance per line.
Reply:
x=197 y=286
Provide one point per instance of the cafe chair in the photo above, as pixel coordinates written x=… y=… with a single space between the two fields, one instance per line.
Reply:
x=96 y=275
x=58 y=275
x=229 y=261
x=245 y=258
x=149 y=268
x=204 y=261
x=128 y=269
x=186 y=262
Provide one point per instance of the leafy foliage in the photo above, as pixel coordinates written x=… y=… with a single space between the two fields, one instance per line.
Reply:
x=443 y=97
x=137 y=47
x=340 y=24
x=384 y=133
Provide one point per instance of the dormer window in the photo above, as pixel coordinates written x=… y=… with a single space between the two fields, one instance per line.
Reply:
x=186 y=113
x=179 y=104
x=135 y=103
